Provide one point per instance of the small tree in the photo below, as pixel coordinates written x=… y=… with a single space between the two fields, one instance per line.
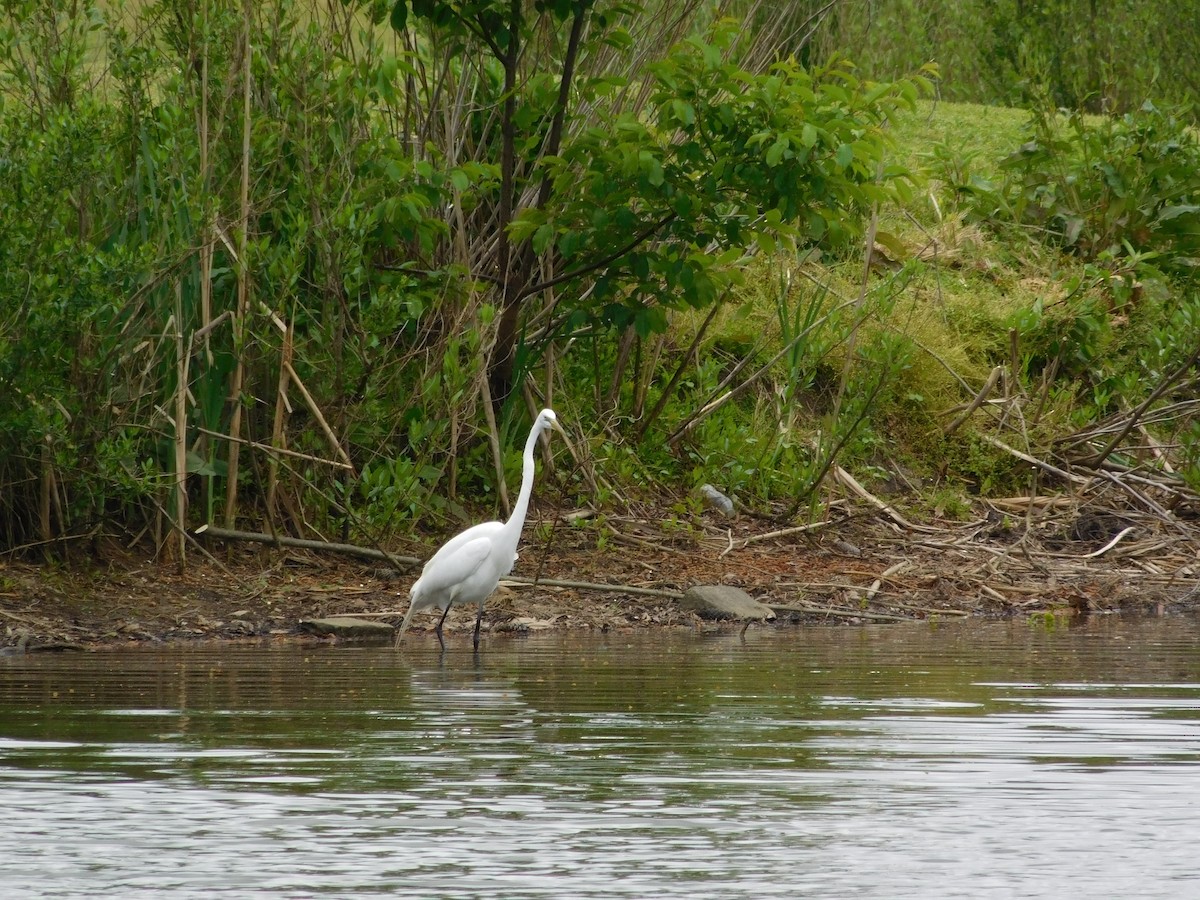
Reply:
x=630 y=208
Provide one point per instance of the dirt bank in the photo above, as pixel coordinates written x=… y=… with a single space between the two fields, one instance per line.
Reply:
x=857 y=567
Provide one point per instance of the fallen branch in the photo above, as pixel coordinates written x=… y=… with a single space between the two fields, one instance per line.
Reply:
x=281 y=451
x=782 y=532
x=977 y=401
x=849 y=481
x=1034 y=461
x=844 y=613
x=230 y=534
x=1120 y=534
x=594 y=586
x=1134 y=417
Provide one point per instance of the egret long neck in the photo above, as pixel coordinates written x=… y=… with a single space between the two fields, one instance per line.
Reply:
x=517 y=520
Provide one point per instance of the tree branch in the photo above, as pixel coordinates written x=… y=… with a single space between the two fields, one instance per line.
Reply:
x=600 y=263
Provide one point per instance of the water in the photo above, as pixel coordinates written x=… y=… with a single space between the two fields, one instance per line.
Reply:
x=995 y=760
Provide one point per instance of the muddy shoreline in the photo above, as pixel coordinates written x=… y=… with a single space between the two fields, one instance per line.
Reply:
x=847 y=572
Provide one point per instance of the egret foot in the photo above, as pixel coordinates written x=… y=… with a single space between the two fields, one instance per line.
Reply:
x=438 y=630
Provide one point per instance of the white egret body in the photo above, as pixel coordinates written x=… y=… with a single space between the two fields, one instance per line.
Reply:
x=468 y=567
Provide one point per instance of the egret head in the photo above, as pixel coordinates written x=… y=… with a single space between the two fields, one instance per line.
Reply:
x=547 y=419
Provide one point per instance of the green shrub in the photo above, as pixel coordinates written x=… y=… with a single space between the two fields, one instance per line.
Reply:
x=1125 y=187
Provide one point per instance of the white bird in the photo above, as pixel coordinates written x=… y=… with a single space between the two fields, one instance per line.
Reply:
x=468 y=567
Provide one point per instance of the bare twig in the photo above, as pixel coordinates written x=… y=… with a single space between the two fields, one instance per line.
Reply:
x=711 y=407
x=849 y=481
x=1034 y=461
x=280 y=451
x=1120 y=534
x=1136 y=415
x=842 y=613
x=282 y=540
x=977 y=401
x=782 y=532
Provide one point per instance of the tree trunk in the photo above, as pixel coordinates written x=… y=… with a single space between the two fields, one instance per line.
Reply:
x=515 y=275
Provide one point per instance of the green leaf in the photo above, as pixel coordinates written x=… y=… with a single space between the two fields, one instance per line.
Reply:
x=683 y=112
x=1172 y=212
x=893 y=243
x=543 y=237
x=775 y=152
x=844 y=156
x=399 y=17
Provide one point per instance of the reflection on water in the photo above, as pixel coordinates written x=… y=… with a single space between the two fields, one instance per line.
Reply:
x=968 y=761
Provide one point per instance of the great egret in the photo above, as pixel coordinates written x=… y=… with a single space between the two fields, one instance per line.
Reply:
x=469 y=566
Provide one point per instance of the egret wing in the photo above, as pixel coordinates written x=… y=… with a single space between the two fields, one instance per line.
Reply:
x=454 y=564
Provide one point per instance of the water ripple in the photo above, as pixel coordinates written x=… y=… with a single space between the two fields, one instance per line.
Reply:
x=981 y=762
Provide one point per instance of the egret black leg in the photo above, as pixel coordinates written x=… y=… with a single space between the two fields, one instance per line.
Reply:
x=438 y=630
x=478 y=620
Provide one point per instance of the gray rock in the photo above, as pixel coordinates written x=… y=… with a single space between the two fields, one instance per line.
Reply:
x=720 y=601
x=716 y=500
x=349 y=627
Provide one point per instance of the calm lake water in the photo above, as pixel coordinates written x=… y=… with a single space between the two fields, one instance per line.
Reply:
x=993 y=760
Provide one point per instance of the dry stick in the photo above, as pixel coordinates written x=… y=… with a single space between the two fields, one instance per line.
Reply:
x=1120 y=534
x=1133 y=417
x=883 y=576
x=1034 y=461
x=453 y=466
x=206 y=243
x=977 y=402
x=282 y=540
x=280 y=451
x=1156 y=449
x=282 y=408
x=645 y=376
x=1044 y=501
x=489 y=414
x=243 y=295
x=594 y=586
x=286 y=330
x=859 y=301
x=1142 y=498
x=782 y=532
x=941 y=362
x=319 y=416
x=206 y=237
x=994 y=594
x=181 y=390
x=843 y=613
x=687 y=357
x=46 y=627
x=1166 y=413
x=47 y=488
x=849 y=481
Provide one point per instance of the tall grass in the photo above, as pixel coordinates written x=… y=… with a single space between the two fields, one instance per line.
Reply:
x=1094 y=56
x=256 y=260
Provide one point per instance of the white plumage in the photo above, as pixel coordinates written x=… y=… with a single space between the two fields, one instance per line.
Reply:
x=468 y=567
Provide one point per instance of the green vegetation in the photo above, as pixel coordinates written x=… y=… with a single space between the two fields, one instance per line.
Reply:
x=1101 y=56
x=309 y=267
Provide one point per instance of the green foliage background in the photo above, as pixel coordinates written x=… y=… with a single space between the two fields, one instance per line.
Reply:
x=365 y=265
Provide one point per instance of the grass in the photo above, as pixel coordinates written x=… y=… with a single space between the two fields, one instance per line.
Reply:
x=959 y=289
